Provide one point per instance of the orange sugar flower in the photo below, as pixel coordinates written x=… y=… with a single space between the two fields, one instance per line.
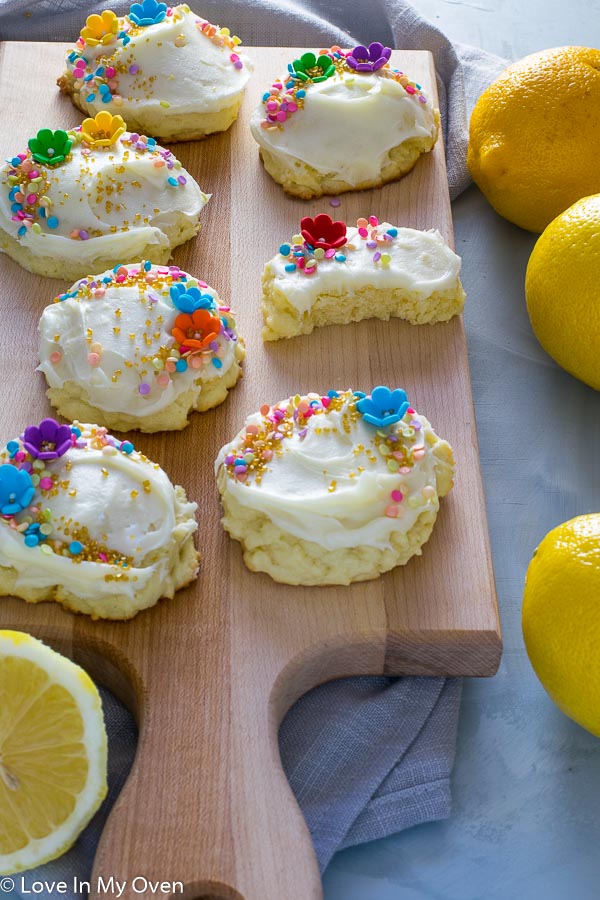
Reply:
x=197 y=330
x=100 y=29
x=102 y=131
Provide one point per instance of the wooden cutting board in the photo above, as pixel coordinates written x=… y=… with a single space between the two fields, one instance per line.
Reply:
x=211 y=673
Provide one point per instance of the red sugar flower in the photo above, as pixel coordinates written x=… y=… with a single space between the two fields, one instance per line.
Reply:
x=323 y=232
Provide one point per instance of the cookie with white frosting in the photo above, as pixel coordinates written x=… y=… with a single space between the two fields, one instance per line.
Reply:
x=139 y=346
x=81 y=201
x=343 y=121
x=90 y=522
x=167 y=71
x=333 y=489
x=330 y=274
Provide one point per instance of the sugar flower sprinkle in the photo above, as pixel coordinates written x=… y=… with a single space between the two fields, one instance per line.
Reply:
x=321 y=232
x=48 y=440
x=100 y=29
x=103 y=130
x=16 y=490
x=148 y=12
x=195 y=331
x=309 y=68
x=384 y=407
x=375 y=57
x=50 y=147
x=189 y=299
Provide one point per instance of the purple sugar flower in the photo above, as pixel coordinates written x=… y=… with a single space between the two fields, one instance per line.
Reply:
x=368 y=60
x=49 y=440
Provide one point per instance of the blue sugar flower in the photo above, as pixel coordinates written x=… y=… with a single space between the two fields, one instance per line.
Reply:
x=148 y=12
x=383 y=407
x=16 y=490
x=190 y=299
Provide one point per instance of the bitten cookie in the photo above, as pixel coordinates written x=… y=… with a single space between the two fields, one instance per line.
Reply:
x=342 y=121
x=139 y=346
x=90 y=522
x=330 y=274
x=81 y=201
x=167 y=71
x=333 y=489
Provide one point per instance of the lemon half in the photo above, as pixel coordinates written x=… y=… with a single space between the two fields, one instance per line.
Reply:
x=53 y=752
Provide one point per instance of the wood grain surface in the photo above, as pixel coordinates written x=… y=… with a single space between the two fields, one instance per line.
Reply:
x=211 y=673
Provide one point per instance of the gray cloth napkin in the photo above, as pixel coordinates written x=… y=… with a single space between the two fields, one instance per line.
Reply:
x=365 y=756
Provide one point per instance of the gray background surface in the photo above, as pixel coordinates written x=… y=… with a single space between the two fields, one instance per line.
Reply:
x=526 y=785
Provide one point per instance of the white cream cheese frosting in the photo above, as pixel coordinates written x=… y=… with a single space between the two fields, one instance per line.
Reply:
x=97 y=519
x=113 y=335
x=112 y=195
x=345 y=124
x=321 y=471
x=381 y=255
x=177 y=64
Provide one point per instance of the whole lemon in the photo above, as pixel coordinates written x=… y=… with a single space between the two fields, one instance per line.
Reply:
x=561 y=618
x=562 y=286
x=534 y=136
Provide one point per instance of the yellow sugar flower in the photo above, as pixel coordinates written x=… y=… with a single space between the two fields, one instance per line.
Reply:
x=102 y=131
x=100 y=29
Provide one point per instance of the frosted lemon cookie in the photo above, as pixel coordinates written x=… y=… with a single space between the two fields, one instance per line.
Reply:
x=90 y=522
x=342 y=122
x=330 y=274
x=139 y=346
x=80 y=201
x=167 y=71
x=333 y=489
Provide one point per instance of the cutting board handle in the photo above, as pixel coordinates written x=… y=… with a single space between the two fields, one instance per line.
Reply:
x=207 y=808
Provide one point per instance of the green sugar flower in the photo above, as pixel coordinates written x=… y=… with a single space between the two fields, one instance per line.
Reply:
x=50 y=147
x=308 y=67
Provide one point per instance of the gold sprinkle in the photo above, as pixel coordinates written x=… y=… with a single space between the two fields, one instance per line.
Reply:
x=104 y=472
x=146 y=485
x=134 y=495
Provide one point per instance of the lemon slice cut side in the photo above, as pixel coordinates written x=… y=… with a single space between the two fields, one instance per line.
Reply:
x=53 y=752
